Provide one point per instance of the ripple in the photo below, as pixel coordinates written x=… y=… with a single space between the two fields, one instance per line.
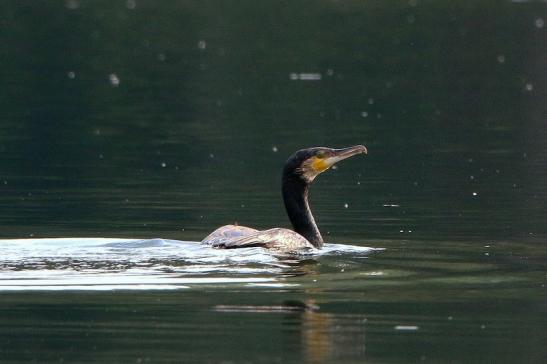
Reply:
x=141 y=264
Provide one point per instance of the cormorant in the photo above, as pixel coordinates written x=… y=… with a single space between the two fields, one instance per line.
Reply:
x=299 y=172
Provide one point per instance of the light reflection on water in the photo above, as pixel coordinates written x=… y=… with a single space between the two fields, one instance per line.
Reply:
x=113 y=264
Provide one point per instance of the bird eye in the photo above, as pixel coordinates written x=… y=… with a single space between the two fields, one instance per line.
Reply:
x=321 y=154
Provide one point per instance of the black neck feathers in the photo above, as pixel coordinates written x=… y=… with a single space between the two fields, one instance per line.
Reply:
x=295 y=195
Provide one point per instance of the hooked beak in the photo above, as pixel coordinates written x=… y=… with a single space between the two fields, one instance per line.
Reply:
x=344 y=153
x=321 y=165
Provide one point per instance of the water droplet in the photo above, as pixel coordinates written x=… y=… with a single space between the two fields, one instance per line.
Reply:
x=483 y=326
x=475 y=193
x=131 y=4
x=401 y=231
x=71 y=75
x=358 y=182
x=370 y=101
x=364 y=114
x=114 y=80
x=501 y=58
x=211 y=155
x=163 y=164
x=161 y=57
x=471 y=177
x=529 y=87
x=274 y=149
x=539 y=23
x=346 y=205
x=202 y=44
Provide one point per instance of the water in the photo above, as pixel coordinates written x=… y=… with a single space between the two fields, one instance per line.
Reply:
x=131 y=130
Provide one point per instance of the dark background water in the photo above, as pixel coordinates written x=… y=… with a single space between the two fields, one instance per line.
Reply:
x=141 y=119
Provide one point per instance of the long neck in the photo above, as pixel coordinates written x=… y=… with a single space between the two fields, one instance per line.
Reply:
x=295 y=196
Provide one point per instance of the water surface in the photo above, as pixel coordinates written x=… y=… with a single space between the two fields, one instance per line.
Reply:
x=130 y=130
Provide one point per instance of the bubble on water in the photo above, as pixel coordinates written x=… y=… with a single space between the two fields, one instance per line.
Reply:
x=358 y=182
x=346 y=205
x=401 y=231
x=539 y=23
x=475 y=194
x=483 y=326
x=202 y=44
x=364 y=114
x=501 y=58
x=131 y=4
x=161 y=57
x=71 y=75
x=274 y=149
x=406 y=328
x=5 y=182
x=72 y=4
x=370 y=101
x=305 y=76
x=471 y=177
x=528 y=87
x=114 y=80
x=211 y=155
x=163 y=164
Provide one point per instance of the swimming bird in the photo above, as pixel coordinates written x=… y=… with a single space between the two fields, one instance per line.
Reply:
x=299 y=172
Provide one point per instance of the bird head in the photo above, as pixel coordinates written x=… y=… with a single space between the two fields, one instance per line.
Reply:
x=307 y=164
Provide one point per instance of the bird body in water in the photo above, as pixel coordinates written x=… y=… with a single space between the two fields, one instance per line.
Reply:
x=299 y=172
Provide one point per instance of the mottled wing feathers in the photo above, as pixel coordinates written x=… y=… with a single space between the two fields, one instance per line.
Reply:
x=226 y=233
x=276 y=239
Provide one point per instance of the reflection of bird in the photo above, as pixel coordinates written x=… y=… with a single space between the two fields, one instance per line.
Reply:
x=299 y=172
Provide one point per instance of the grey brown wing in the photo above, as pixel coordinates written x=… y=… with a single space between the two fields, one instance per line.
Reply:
x=275 y=239
x=227 y=233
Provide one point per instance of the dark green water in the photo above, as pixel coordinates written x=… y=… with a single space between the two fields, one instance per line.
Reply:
x=142 y=120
